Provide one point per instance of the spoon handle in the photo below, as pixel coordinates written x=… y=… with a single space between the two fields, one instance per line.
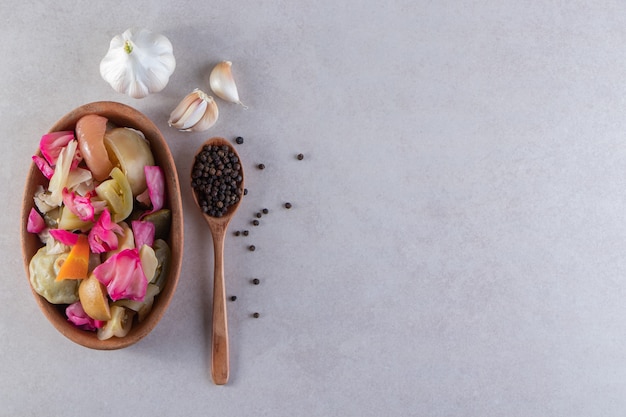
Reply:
x=219 y=336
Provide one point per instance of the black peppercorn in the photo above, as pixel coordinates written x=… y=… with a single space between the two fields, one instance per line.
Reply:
x=256 y=315
x=287 y=205
x=245 y=233
x=239 y=140
x=265 y=211
x=233 y=298
x=212 y=179
x=252 y=248
x=237 y=233
x=259 y=215
x=300 y=157
x=245 y=191
x=256 y=281
x=261 y=166
x=255 y=222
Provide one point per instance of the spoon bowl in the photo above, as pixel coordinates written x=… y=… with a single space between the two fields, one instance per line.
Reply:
x=218 y=227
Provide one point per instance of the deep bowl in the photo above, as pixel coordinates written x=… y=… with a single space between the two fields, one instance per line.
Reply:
x=121 y=115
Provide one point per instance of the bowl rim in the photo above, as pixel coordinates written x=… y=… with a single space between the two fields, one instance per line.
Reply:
x=124 y=116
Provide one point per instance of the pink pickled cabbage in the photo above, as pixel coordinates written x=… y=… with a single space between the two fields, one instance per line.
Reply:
x=79 y=205
x=102 y=236
x=143 y=232
x=51 y=145
x=64 y=236
x=155 y=193
x=77 y=316
x=43 y=166
x=123 y=276
x=35 y=223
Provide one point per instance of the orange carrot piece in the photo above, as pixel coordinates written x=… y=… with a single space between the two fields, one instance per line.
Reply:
x=77 y=263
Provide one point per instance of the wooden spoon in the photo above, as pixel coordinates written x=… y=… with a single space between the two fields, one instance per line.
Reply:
x=218 y=226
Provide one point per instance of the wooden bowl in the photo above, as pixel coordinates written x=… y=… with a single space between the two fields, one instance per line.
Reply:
x=125 y=116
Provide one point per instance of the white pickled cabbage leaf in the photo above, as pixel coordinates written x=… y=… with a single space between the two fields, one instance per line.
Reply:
x=42 y=200
x=80 y=180
x=61 y=173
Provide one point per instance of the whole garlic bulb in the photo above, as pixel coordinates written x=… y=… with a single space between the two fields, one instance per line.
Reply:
x=139 y=62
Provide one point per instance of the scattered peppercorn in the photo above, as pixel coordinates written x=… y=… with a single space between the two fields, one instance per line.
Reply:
x=287 y=205
x=252 y=248
x=245 y=233
x=245 y=191
x=265 y=211
x=300 y=157
x=255 y=222
x=259 y=215
x=216 y=178
x=233 y=298
x=237 y=233
x=239 y=140
x=256 y=281
x=261 y=166
x=256 y=315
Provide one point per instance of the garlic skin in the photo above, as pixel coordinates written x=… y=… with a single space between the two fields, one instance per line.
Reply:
x=196 y=112
x=223 y=84
x=139 y=62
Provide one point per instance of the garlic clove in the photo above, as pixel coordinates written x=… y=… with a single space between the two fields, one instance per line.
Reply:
x=195 y=113
x=209 y=118
x=192 y=113
x=178 y=113
x=223 y=84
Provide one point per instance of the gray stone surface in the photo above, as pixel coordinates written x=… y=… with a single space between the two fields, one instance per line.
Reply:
x=457 y=242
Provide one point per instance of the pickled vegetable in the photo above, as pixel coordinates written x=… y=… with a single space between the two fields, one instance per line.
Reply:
x=93 y=298
x=130 y=151
x=119 y=325
x=163 y=255
x=162 y=220
x=125 y=240
x=77 y=263
x=118 y=195
x=123 y=276
x=79 y=318
x=43 y=269
x=142 y=307
x=69 y=221
x=90 y=134
x=149 y=261
x=104 y=261
x=103 y=234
